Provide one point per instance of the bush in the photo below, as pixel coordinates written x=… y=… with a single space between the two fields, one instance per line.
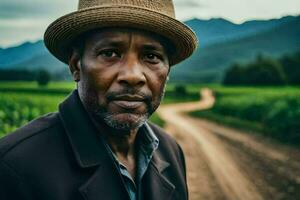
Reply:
x=43 y=78
x=234 y=75
x=264 y=71
x=16 y=75
x=291 y=67
x=282 y=121
x=180 y=90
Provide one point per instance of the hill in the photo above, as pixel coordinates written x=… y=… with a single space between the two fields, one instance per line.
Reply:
x=220 y=30
x=18 y=54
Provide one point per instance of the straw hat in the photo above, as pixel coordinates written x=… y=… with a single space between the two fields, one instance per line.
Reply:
x=156 y=16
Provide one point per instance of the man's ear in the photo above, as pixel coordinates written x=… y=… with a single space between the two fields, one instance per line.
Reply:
x=75 y=65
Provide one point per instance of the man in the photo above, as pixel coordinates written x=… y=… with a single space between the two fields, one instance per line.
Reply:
x=100 y=145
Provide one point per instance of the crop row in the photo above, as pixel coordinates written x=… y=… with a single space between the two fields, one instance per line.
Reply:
x=16 y=109
x=276 y=110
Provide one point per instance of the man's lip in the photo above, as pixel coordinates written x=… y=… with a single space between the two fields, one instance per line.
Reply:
x=128 y=104
x=128 y=97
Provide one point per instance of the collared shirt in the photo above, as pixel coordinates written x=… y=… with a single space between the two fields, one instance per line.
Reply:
x=147 y=143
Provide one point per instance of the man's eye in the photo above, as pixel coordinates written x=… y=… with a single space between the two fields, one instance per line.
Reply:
x=152 y=57
x=109 y=53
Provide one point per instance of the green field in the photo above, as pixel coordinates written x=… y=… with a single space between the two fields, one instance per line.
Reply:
x=272 y=111
x=21 y=102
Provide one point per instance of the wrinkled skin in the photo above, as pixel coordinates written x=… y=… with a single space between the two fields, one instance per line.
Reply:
x=121 y=76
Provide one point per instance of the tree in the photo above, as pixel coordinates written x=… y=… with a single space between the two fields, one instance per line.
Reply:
x=291 y=67
x=264 y=71
x=43 y=77
x=16 y=75
x=180 y=90
x=234 y=75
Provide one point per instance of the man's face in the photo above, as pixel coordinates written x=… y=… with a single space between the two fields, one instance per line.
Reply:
x=122 y=76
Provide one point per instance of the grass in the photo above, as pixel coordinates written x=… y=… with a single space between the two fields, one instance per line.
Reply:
x=33 y=85
x=157 y=120
x=234 y=122
x=33 y=88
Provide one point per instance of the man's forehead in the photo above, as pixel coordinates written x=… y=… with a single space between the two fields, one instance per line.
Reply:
x=119 y=35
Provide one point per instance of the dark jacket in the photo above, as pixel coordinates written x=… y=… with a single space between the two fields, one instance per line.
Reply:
x=61 y=157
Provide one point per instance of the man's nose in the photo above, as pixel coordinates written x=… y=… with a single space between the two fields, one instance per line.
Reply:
x=131 y=72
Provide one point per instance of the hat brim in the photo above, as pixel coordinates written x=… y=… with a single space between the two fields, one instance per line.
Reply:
x=60 y=34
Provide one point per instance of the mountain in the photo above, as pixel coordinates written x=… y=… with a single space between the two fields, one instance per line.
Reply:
x=30 y=56
x=221 y=44
x=208 y=63
x=220 y=30
x=41 y=61
x=15 y=55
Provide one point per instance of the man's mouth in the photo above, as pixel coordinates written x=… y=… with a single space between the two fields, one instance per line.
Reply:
x=129 y=101
x=128 y=104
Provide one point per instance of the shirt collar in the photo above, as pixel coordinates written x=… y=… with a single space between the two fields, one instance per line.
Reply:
x=147 y=141
x=150 y=137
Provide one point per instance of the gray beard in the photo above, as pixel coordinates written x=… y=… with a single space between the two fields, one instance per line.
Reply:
x=125 y=126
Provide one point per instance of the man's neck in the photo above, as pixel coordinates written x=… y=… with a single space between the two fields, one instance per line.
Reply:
x=122 y=144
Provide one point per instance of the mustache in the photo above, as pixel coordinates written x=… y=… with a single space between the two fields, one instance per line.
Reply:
x=128 y=92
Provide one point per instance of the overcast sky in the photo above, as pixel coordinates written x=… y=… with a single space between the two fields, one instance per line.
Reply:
x=22 y=20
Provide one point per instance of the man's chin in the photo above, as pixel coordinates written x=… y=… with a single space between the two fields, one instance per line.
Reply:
x=125 y=121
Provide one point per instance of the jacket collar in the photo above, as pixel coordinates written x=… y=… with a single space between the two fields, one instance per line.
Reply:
x=86 y=144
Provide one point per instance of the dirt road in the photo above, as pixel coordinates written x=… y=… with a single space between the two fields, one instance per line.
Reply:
x=224 y=163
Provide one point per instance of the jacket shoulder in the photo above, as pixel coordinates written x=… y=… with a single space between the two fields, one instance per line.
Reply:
x=33 y=128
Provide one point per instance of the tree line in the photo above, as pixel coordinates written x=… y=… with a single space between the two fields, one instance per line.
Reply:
x=42 y=76
x=265 y=71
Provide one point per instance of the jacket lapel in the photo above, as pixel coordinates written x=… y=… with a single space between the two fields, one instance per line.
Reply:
x=81 y=132
x=104 y=184
x=90 y=151
x=157 y=185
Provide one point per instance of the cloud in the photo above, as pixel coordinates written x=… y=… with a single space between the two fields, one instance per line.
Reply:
x=27 y=19
x=34 y=8
x=186 y=9
x=186 y=4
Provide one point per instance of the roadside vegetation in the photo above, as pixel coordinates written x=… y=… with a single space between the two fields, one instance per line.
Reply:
x=271 y=111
